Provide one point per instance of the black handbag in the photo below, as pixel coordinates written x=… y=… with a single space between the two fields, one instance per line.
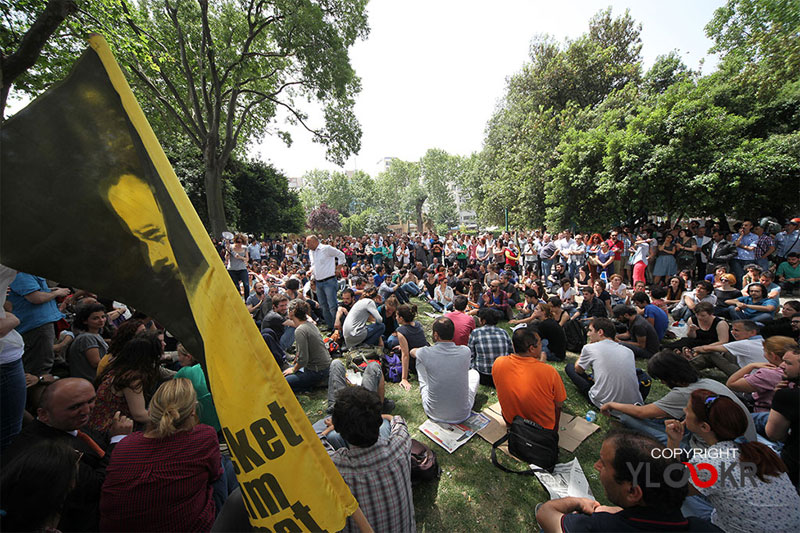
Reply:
x=531 y=443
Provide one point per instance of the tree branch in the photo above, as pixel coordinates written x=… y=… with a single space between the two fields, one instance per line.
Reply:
x=138 y=30
x=161 y=98
x=187 y=71
x=31 y=44
x=212 y=62
x=252 y=34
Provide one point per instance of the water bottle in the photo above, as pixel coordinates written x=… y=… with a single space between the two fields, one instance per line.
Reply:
x=591 y=416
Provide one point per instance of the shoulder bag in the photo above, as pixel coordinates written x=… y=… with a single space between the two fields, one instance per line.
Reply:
x=531 y=443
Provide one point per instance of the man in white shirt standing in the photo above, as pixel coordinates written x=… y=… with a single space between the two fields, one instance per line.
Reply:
x=323 y=269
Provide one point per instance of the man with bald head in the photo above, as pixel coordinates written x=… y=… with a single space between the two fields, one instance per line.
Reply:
x=324 y=259
x=65 y=408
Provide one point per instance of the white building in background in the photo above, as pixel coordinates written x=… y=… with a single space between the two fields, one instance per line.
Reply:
x=383 y=165
x=466 y=217
x=296 y=184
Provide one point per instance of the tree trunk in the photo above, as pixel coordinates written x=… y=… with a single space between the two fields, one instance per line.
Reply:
x=214 y=200
x=419 y=217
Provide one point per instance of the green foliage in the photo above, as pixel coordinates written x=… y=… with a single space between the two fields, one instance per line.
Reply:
x=440 y=171
x=759 y=41
x=581 y=138
x=400 y=189
x=265 y=204
x=214 y=74
x=257 y=198
x=348 y=193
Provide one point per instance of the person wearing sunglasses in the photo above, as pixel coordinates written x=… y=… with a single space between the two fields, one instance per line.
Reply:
x=755 y=494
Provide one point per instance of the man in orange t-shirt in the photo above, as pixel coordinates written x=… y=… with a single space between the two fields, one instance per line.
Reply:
x=527 y=386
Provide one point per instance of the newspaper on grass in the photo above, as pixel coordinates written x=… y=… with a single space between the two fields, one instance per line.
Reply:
x=452 y=436
x=567 y=480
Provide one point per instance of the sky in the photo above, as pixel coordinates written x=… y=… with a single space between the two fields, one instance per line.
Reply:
x=433 y=71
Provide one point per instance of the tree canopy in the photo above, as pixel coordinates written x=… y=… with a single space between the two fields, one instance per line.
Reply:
x=583 y=137
x=218 y=74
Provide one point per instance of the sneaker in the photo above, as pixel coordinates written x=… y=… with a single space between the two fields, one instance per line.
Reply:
x=388 y=406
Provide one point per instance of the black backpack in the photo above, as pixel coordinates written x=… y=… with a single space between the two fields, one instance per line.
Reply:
x=576 y=335
x=424 y=465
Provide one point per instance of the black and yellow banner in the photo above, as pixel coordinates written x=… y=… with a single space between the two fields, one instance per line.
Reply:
x=88 y=198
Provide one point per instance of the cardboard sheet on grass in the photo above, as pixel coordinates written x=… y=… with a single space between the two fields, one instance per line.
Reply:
x=572 y=430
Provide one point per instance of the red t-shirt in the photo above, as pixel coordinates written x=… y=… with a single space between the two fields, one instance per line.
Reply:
x=529 y=388
x=617 y=247
x=464 y=324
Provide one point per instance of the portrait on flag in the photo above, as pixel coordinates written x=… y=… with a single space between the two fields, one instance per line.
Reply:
x=89 y=198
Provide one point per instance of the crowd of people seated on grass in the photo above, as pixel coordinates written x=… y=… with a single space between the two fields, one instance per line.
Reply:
x=86 y=382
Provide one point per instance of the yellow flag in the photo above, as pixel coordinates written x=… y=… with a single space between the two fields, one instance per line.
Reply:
x=87 y=197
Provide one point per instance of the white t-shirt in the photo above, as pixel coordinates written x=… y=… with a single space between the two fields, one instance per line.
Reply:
x=747 y=351
x=355 y=325
x=614 y=371
x=641 y=254
x=565 y=295
x=11 y=346
x=767 y=506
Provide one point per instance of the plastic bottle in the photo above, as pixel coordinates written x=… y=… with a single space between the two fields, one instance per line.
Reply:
x=591 y=416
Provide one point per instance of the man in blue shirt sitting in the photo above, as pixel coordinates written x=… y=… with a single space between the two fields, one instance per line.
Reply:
x=652 y=313
x=753 y=307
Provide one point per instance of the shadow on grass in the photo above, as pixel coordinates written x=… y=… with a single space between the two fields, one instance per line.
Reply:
x=481 y=401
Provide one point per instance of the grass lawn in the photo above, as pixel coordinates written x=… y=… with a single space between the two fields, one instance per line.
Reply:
x=473 y=495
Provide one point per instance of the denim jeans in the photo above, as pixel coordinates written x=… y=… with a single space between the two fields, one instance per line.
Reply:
x=304 y=380
x=572 y=271
x=739 y=315
x=582 y=382
x=760 y=422
x=326 y=293
x=412 y=289
x=12 y=400
x=436 y=306
x=547 y=265
x=287 y=339
x=374 y=333
x=241 y=276
x=226 y=483
x=391 y=341
x=737 y=265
